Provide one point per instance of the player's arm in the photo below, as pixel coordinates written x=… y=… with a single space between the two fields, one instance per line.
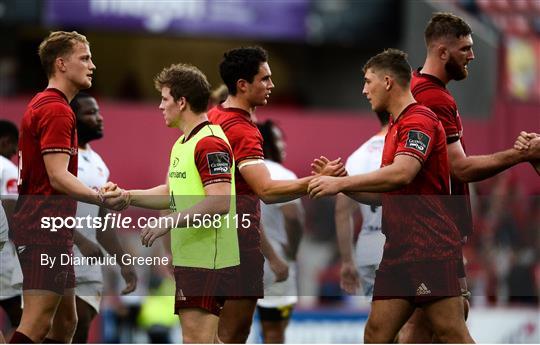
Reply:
x=344 y=231
x=110 y=242
x=216 y=202
x=397 y=175
x=256 y=174
x=344 y=226
x=276 y=262
x=293 y=214
x=477 y=168
x=156 y=198
x=8 y=193
x=213 y=158
x=65 y=182
x=372 y=199
x=87 y=247
x=391 y=177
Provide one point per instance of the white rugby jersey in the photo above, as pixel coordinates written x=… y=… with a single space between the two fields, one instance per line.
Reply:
x=93 y=172
x=369 y=247
x=8 y=190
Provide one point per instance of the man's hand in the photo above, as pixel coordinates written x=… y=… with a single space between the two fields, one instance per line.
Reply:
x=534 y=149
x=280 y=268
x=323 y=166
x=529 y=143
x=149 y=235
x=114 y=197
x=130 y=277
x=109 y=187
x=350 y=281
x=323 y=185
x=118 y=203
x=523 y=140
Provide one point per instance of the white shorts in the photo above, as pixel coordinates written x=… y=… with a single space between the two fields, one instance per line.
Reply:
x=9 y=266
x=279 y=294
x=367 y=279
x=91 y=293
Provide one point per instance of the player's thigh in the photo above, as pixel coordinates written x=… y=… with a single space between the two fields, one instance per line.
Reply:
x=85 y=312
x=387 y=316
x=39 y=305
x=446 y=315
x=236 y=318
x=198 y=325
x=417 y=330
x=85 y=315
x=238 y=310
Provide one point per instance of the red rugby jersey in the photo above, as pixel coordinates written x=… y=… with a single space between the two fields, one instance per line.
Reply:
x=416 y=219
x=246 y=143
x=431 y=92
x=207 y=150
x=48 y=126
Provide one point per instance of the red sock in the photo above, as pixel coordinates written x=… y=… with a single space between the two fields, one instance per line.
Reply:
x=51 y=341
x=19 y=338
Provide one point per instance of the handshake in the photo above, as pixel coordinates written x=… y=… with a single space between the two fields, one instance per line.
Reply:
x=113 y=197
x=326 y=174
x=529 y=145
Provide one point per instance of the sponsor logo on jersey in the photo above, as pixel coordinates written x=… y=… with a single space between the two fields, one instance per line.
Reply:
x=422 y=290
x=177 y=174
x=218 y=163
x=418 y=141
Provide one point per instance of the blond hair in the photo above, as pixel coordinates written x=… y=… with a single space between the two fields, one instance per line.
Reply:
x=58 y=43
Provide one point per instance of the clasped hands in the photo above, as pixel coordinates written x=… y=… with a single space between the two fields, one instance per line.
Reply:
x=326 y=176
x=529 y=142
x=529 y=145
x=114 y=197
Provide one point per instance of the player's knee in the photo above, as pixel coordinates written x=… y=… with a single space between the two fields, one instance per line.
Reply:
x=197 y=338
x=68 y=324
x=374 y=333
x=37 y=330
x=196 y=332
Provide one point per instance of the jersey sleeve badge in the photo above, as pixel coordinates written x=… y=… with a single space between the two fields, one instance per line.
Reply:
x=418 y=141
x=218 y=163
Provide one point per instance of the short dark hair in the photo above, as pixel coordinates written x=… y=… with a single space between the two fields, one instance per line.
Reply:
x=241 y=63
x=393 y=61
x=75 y=105
x=9 y=129
x=269 y=140
x=444 y=24
x=187 y=81
x=58 y=43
